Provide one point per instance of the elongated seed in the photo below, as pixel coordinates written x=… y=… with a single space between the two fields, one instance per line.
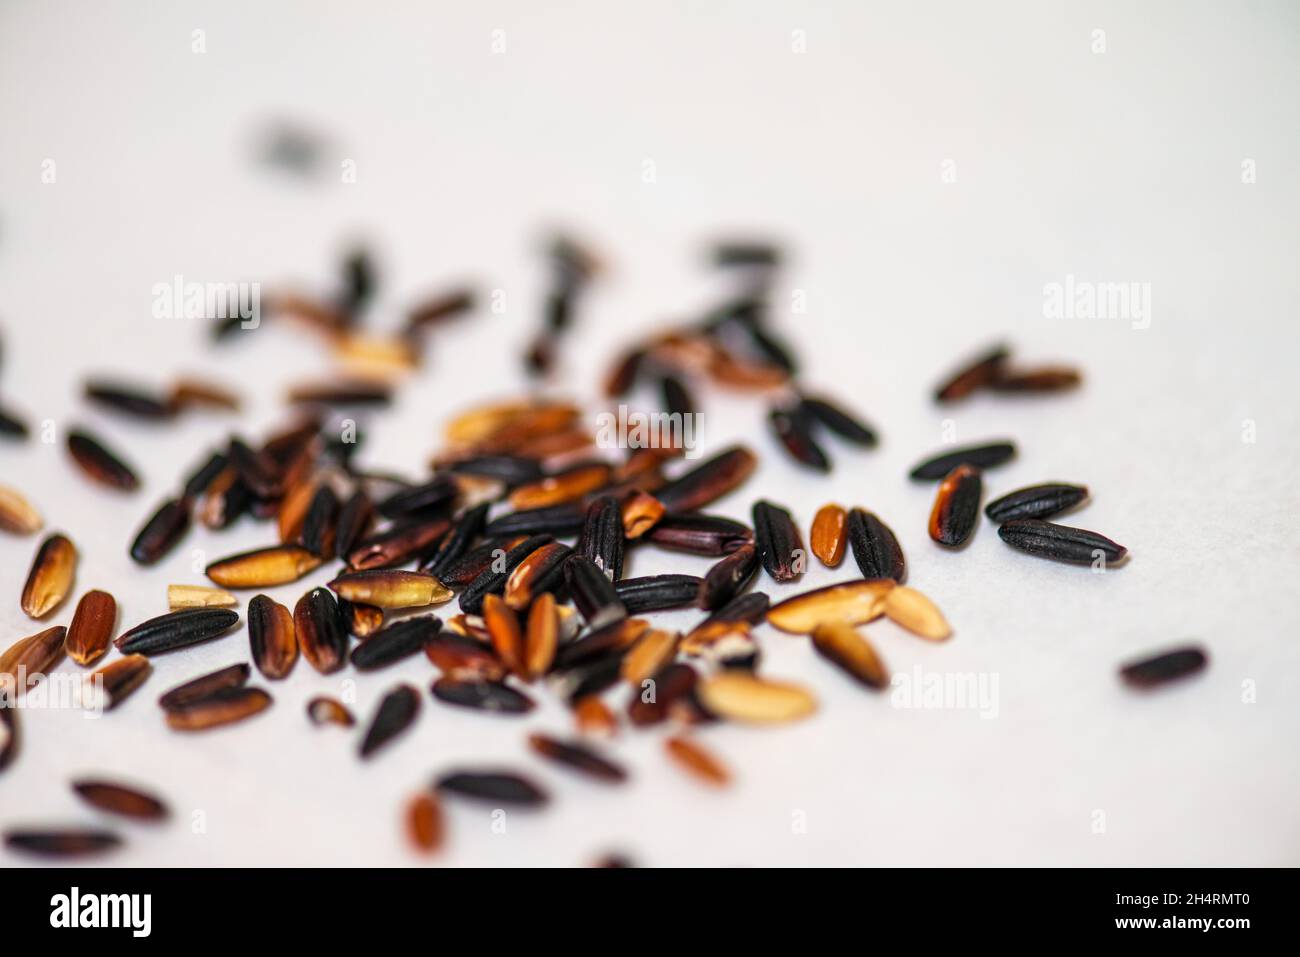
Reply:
x=1046 y=379
x=511 y=469
x=1164 y=667
x=51 y=575
x=457 y=542
x=355 y=518
x=31 y=656
x=272 y=637
x=461 y=657
x=160 y=534
x=793 y=429
x=708 y=481
x=855 y=602
x=1036 y=501
x=751 y=608
x=224 y=500
x=651 y=653
x=391 y=588
x=658 y=592
x=438 y=491
x=232 y=676
x=222 y=707
x=17 y=514
x=639 y=511
x=73 y=842
x=980 y=456
x=99 y=463
x=320 y=631
x=739 y=696
x=91 y=631
x=482 y=695
x=540 y=572
x=564 y=519
x=691 y=756
x=492 y=581
x=256 y=469
x=120 y=799
x=320 y=523
x=399 y=640
x=197 y=482
x=974 y=375
x=11 y=425
x=346 y=394
x=1061 y=542
x=567 y=486
x=176 y=629
x=912 y=610
x=504 y=631
x=780 y=549
x=415 y=539
x=440 y=308
x=199 y=596
x=828 y=536
x=190 y=393
x=323 y=709
x=127 y=399
x=424 y=823
x=700 y=534
x=875 y=547
x=839 y=421
x=396 y=712
x=841 y=644
x=541 y=637
x=601 y=540
x=725 y=579
x=593 y=593
x=119 y=678
x=263 y=567
x=577 y=756
x=501 y=787
x=956 y=509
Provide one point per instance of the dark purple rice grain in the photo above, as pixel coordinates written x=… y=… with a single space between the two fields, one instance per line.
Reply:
x=1060 y=542
x=839 y=421
x=128 y=400
x=746 y=254
x=232 y=676
x=320 y=524
x=198 y=481
x=258 y=471
x=780 y=547
x=593 y=593
x=476 y=561
x=494 y=696
x=408 y=540
x=440 y=308
x=725 y=579
x=974 y=375
x=466 y=529
x=677 y=398
x=563 y=519
x=751 y=608
x=11 y=426
x=177 y=629
x=577 y=756
x=956 y=509
x=493 y=582
x=355 y=518
x=875 y=547
x=1164 y=667
x=321 y=631
x=396 y=712
x=981 y=456
x=395 y=642
x=511 y=469
x=708 y=481
x=105 y=467
x=792 y=429
x=73 y=842
x=165 y=528
x=601 y=539
x=675 y=683
x=1037 y=501
x=658 y=592
x=699 y=534
x=493 y=787
x=590 y=678
x=420 y=499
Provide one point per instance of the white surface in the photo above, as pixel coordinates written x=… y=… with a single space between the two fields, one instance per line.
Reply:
x=1124 y=166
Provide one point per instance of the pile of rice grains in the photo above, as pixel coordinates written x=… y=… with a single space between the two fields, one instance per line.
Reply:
x=519 y=532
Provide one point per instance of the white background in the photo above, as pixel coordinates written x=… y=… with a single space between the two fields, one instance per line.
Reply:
x=1119 y=166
